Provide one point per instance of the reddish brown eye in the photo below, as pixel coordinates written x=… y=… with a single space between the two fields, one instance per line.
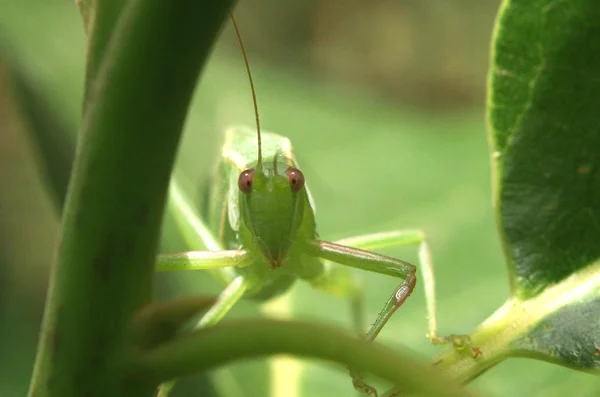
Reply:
x=245 y=180
x=296 y=179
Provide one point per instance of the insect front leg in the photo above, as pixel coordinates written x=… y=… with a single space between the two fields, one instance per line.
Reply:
x=342 y=253
x=397 y=238
x=202 y=260
x=370 y=261
x=373 y=262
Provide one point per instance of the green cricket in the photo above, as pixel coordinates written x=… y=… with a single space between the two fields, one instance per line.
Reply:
x=261 y=236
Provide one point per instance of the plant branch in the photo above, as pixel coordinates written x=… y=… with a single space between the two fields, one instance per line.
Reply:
x=495 y=336
x=208 y=348
x=99 y=21
x=105 y=261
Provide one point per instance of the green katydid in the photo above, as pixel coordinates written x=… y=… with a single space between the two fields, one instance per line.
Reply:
x=261 y=236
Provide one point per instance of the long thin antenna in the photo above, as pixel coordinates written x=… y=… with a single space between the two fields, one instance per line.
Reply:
x=237 y=32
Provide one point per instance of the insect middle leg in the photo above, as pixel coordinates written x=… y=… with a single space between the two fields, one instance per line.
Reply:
x=221 y=262
x=218 y=261
x=227 y=298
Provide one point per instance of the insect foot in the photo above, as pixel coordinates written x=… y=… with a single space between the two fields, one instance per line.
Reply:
x=360 y=385
x=459 y=342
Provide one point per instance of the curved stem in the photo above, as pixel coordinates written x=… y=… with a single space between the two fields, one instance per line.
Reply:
x=99 y=21
x=256 y=338
x=496 y=336
x=116 y=196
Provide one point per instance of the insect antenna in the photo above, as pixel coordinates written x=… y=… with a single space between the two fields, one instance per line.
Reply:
x=237 y=32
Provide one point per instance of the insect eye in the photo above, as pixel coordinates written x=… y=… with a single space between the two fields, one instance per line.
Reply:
x=296 y=179
x=245 y=180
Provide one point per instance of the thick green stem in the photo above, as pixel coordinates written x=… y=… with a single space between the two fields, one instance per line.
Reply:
x=99 y=20
x=105 y=261
x=496 y=336
x=208 y=348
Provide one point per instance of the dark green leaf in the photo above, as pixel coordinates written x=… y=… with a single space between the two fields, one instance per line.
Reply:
x=546 y=134
x=545 y=130
x=569 y=336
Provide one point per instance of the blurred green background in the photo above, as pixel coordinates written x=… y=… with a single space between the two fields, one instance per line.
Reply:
x=384 y=103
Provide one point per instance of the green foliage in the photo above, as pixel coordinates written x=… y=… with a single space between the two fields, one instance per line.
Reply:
x=544 y=133
x=135 y=100
x=111 y=220
x=544 y=136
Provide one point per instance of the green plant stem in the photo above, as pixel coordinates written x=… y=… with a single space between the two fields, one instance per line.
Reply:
x=211 y=347
x=495 y=337
x=99 y=19
x=86 y=9
x=110 y=228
